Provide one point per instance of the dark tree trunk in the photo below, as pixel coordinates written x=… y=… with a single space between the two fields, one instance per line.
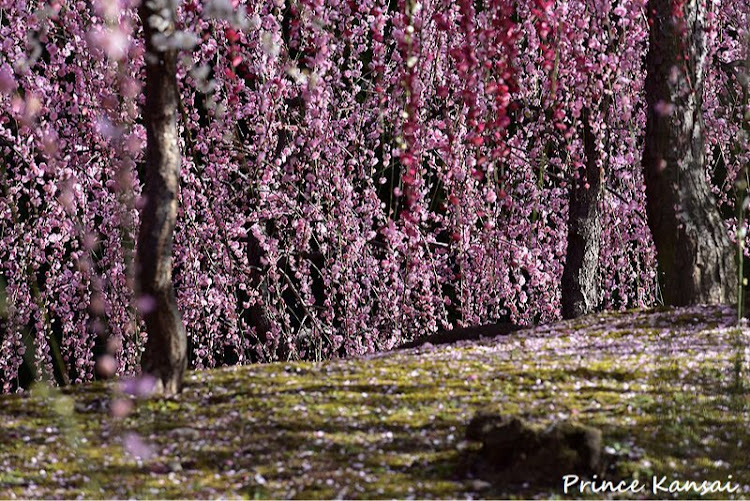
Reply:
x=259 y=316
x=165 y=357
x=695 y=257
x=580 y=290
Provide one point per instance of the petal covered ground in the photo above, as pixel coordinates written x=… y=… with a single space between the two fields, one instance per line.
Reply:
x=668 y=388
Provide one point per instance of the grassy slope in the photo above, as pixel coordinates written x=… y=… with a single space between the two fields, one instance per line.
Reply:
x=663 y=385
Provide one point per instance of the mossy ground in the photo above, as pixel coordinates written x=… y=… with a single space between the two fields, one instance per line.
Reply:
x=668 y=389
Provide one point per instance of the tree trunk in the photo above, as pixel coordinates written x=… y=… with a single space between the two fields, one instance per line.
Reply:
x=695 y=257
x=259 y=317
x=580 y=289
x=165 y=357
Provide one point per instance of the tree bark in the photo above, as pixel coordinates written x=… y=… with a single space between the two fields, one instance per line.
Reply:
x=695 y=257
x=165 y=357
x=259 y=317
x=580 y=288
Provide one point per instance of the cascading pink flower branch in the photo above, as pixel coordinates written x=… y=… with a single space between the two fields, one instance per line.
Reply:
x=402 y=165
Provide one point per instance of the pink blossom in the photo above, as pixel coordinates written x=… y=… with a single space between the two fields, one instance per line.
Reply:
x=137 y=447
x=663 y=108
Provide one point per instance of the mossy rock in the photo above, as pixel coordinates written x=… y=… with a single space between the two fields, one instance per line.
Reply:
x=515 y=452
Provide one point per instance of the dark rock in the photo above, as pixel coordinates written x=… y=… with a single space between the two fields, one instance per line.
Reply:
x=516 y=452
x=95 y=405
x=185 y=433
x=472 y=333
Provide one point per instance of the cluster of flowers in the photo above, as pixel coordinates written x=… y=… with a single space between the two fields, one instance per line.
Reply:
x=401 y=166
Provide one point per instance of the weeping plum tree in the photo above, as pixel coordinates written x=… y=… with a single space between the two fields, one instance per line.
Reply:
x=694 y=254
x=581 y=291
x=165 y=356
x=488 y=237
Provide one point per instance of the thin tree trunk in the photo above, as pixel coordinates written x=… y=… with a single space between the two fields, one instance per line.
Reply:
x=580 y=290
x=695 y=257
x=165 y=356
x=259 y=316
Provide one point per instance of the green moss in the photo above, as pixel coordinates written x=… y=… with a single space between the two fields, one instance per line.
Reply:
x=393 y=426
